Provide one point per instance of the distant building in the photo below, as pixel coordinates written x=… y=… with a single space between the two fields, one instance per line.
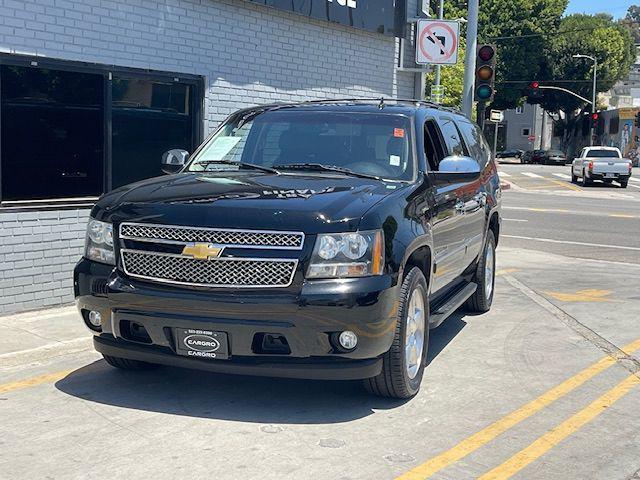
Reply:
x=625 y=93
x=527 y=128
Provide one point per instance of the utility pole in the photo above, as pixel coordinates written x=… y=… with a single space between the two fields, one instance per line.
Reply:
x=470 y=59
x=440 y=17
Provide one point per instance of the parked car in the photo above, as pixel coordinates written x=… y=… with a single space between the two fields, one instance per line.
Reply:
x=555 y=157
x=527 y=157
x=601 y=163
x=510 y=154
x=538 y=156
x=308 y=240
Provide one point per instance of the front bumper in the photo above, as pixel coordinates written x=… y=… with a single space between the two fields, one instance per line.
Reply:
x=308 y=320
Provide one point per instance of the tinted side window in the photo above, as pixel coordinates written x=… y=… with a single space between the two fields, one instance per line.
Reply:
x=478 y=147
x=452 y=137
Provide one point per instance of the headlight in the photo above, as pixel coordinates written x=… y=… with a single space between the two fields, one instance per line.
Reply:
x=99 y=242
x=343 y=255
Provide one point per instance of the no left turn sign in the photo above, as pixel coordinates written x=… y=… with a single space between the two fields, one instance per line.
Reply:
x=437 y=42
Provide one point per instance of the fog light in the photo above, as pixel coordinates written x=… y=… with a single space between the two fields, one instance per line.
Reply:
x=348 y=340
x=95 y=318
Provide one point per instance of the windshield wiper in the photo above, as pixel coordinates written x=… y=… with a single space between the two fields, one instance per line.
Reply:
x=325 y=168
x=241 y=165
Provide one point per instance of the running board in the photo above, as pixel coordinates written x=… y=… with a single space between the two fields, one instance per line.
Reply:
x=443 y=311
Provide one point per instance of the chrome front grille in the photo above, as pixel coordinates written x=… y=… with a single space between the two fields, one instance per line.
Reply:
x=266 y=239
x=219 y=272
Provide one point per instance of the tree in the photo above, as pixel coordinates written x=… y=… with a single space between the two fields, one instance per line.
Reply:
x=520 y=56
x=595 y=35
x=632 y=22
x=451 y=78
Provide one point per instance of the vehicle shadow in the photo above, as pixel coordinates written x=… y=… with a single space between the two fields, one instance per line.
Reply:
x=202 y=394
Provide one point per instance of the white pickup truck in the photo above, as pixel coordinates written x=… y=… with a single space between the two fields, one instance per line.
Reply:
x=601 y=163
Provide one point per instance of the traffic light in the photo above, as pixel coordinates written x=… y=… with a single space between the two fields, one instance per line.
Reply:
x=594 y=120
x=485 y=73
x=638 y=120
x=534 y=94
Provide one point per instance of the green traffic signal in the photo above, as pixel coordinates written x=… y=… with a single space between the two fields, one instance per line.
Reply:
x=484 y=92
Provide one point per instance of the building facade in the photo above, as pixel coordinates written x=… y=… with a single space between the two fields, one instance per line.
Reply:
x=527 y=128
x=92 y=92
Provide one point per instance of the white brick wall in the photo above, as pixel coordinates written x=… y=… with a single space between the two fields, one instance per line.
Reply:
x=248 y=54
x=37 y=253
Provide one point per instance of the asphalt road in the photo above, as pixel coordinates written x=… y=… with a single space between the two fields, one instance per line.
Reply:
x=544 y=386
x=544 y=211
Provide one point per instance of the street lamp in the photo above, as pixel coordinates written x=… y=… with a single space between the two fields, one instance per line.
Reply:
x=595 y=71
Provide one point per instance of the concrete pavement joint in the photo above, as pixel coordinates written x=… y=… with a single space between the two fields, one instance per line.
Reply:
x=45 y=352
x=628 y=362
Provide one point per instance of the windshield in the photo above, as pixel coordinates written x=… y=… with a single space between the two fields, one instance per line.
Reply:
x=597 y=153
x=368 y=143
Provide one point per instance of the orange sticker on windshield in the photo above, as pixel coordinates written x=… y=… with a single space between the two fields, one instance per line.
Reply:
x=398 y=132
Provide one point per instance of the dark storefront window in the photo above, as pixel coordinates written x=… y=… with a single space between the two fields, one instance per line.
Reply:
x=148 y=119
x=52 y=134
x=75 y=131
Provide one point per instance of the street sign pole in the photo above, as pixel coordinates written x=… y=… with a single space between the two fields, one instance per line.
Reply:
x=470 y=59
x=438 y=67
x=495 y=138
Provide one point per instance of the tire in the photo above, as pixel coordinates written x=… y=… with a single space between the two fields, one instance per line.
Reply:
x=397 y=380
x=574 y=179
x=585 y=182
x=624 y=184
x=484 y=277
x=127 y=364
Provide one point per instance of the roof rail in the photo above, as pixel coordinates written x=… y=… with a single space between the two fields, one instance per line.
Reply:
x=381 y=100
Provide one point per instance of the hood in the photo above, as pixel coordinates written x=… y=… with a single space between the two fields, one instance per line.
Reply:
x=247 y=199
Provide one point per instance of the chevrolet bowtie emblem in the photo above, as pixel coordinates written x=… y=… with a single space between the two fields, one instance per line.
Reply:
x=202 y=251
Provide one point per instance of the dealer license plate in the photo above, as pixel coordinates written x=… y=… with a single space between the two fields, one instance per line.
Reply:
x=197 y=343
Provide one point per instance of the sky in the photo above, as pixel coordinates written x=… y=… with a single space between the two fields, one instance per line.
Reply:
x=617 y=8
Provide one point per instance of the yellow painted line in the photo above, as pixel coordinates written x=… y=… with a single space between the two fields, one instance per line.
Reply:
x=33 y=381
x=506 y=271
x=588 y=295
x=553 y=437
x=570 y=186
x=489 y=433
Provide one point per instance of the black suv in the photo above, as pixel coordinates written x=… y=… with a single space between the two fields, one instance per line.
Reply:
x=313 y=240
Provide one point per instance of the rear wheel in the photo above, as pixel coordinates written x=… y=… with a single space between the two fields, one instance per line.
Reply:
x=624 y=183
x=127 y=364
x=484 y=277
x=403 y=365
x=585 y=182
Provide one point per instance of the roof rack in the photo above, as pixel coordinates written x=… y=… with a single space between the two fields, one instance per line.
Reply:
x=380 y=101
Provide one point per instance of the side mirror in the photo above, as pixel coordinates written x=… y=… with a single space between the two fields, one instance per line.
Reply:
x=457 y=169
x=173 y=160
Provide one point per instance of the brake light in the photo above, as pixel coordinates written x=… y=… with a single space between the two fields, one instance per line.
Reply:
x=590 y=166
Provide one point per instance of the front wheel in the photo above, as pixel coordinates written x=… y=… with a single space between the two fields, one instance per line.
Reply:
x=127 y=364
x=574 y=178
x=403 y=364
x=484 y=277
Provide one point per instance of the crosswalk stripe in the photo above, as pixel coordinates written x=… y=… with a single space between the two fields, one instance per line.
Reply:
x=637 y=180
x=562 y=175
x=532 y=175
x=503 y=174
